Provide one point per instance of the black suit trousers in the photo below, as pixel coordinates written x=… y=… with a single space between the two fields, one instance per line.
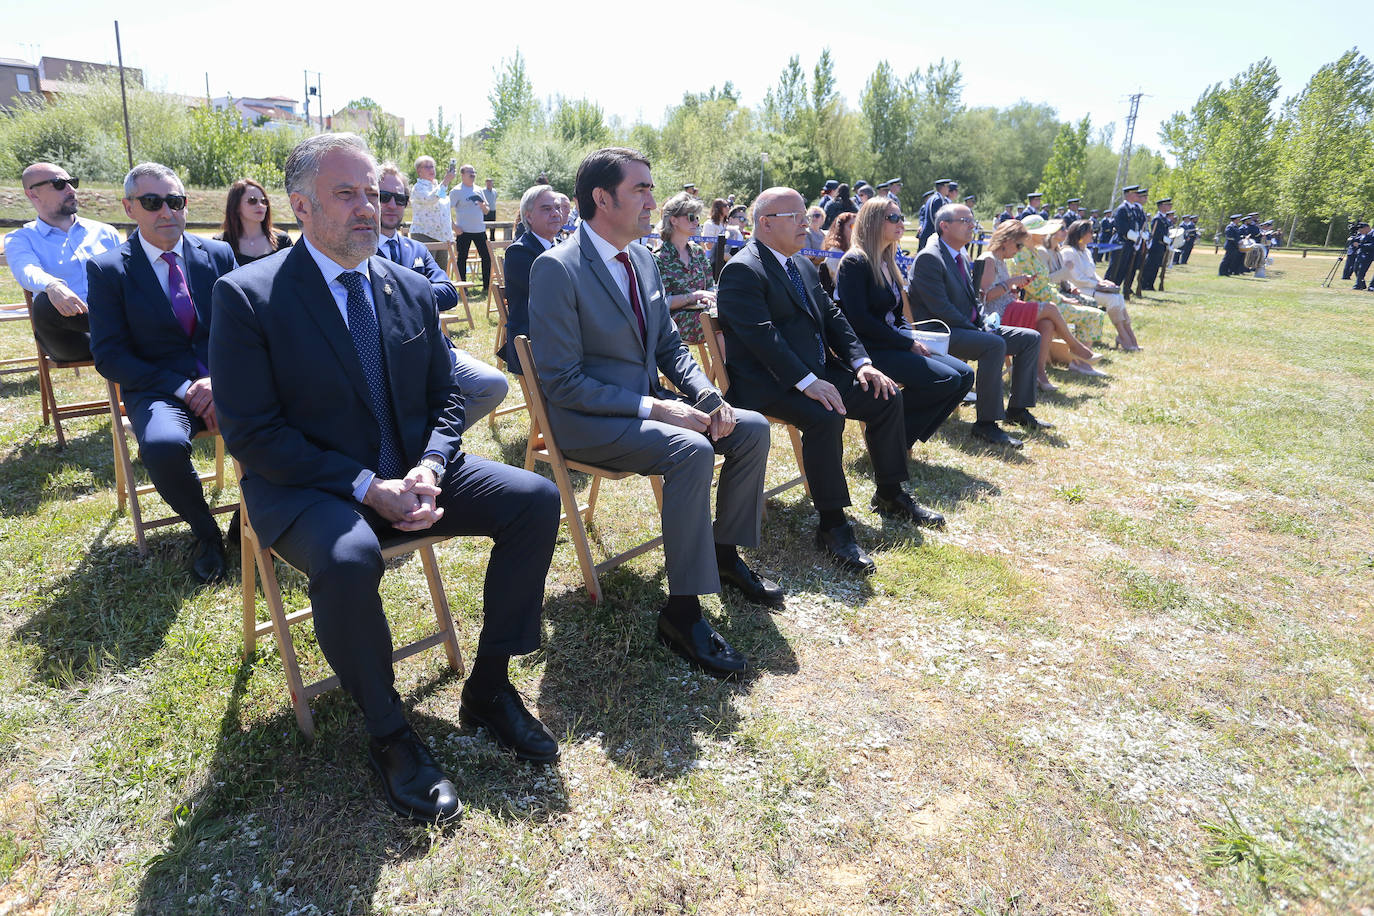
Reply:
x=337 y=543
x=66 y=338
x=823 y=436
x=932 y=388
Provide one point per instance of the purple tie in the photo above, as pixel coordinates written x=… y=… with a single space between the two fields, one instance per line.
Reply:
x=963 y=272
x=183 y=306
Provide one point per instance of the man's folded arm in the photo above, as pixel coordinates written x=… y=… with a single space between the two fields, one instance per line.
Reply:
x=250 y=417
x=557 y=344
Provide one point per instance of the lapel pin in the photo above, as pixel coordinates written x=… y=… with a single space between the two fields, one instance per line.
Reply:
x=386 y=288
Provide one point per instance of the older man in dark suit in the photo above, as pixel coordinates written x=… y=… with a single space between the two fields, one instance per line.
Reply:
x=336 y=393
x=942 y=287
x=150 y=318
x=601 y=336
x=792 y=355
x=542 y=216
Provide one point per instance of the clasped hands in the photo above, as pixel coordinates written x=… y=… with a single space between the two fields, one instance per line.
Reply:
x=870 y=379
x=201 y=400
x=409 y=503
x=716 y=426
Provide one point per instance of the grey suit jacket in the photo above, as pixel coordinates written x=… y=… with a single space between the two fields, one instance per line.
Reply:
x=938 y=289
x=593 y=366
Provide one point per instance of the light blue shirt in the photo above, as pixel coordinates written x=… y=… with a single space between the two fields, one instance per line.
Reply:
x=39 y=253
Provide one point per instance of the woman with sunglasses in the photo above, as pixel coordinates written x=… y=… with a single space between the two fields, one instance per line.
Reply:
x=248 y=223
x=870 y=294
x=684 y=266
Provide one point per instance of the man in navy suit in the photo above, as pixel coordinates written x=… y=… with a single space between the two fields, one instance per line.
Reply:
x=336 y=393
x=150 y=322
x=542 y=215
x=483 y=387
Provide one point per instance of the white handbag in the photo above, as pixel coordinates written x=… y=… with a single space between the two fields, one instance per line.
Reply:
x=935 y=341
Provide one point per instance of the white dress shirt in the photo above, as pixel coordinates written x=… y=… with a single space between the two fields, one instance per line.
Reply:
x=621 y=278
x=163 y=274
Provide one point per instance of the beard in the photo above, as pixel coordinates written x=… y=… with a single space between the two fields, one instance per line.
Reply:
x=68 y=207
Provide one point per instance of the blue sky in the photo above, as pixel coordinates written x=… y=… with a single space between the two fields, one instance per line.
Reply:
x=636 y=60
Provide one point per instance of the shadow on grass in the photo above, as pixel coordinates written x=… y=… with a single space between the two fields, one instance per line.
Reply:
x=960 y=436
x=608 y=679
x=281 y=823
x=24 y=388
x=113 y=610
x=37 y=472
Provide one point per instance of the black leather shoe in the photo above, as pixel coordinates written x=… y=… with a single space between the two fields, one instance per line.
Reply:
x=415 y=787
x=991 y=432
x=839 y=544
x=907 y=509
x=749 y=583
x=207 y=562
x=503 y=714
x=702 y=646
x=1023 y=417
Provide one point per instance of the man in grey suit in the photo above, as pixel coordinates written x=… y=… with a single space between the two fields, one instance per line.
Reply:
x=942 y=287
x=601 y=335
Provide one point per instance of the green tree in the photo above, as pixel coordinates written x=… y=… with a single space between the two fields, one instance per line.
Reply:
x=1324 y=139
x=512 y=98
x=887 y=109
x=580 y=121
x=438 y=142
x=1063 y=176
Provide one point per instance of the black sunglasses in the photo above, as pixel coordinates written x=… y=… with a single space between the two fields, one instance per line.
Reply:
x=254 y=201
x=153 y=202
x=387 y=197
x=895 y=218
x=59 y=184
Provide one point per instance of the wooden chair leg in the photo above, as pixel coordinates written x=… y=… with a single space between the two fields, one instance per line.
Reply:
x=219 y=462
x=577 y=532
x=592 y=493
x=656 y=482
x=442 y=613
x=250 y=596
x=271 y=590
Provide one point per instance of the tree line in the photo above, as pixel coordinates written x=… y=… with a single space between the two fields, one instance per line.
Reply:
x=1309 y=161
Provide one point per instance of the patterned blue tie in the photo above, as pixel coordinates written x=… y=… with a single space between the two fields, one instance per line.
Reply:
x=367 y=339
x=795 y=276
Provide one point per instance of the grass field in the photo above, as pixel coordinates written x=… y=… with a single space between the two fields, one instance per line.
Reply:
x=1133 y=676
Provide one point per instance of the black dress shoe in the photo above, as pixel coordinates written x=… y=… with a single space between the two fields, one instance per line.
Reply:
x=839 y=544
x=415 y=787
x=989 y=431
x=207 y=562
x=907 y=509
x=702 y=646
x=751 y=584
x=502 y=713
x=1023 y=417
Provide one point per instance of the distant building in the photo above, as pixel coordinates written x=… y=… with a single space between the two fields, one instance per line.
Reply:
x=57 y=75
x=268 y=111
x=19 y=80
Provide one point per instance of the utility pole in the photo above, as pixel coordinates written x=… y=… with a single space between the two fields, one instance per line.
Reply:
x=1123 y=167
x=124 y=97
x=306 y=78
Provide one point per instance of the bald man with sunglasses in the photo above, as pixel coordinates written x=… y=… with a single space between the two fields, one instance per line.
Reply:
x=150 y=332
x=48 y=257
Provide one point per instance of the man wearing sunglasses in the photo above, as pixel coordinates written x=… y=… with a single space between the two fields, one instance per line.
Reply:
x=484 y=387
x=48 y=257
x=150 y=332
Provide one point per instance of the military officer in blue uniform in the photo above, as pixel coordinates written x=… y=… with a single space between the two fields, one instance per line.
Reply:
x=1008 y=212
x=1160 y=224
x=1033 y=207
x=1124 y=233
x=1364 y=253
x=1232 y=261
x=934 y=201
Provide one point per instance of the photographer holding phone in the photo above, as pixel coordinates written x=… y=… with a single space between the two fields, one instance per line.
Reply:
x=468 y=208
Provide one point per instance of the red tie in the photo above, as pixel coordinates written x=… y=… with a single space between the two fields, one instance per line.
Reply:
x=624 y=259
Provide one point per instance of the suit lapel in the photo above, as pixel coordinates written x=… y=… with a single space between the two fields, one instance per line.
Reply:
x=320 y=306
x=200 y=276
x=779 y=274
x=602 y=273
x=144 y=280
x=388 y=323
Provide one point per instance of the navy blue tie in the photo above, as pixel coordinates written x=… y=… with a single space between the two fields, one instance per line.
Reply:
x=367 y=339
x=395 y=247
x=795 y=276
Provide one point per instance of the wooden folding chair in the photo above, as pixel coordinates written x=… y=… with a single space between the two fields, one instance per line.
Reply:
x=498 y=273
x=51 y=409
x=711 y=325
x=16 y=311
x=500 y=345
x=452 y=316
x=127 y=487
x=451 y=250
x=257 y=563
x=543 y=448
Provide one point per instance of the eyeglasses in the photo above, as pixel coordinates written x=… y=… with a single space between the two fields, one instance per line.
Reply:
x=254 y=201
x=387 y=197
x=153 y=202
x=965 y=219
x=792 y=215
x=895 y=218
x=58 y=184
x=691 y=219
